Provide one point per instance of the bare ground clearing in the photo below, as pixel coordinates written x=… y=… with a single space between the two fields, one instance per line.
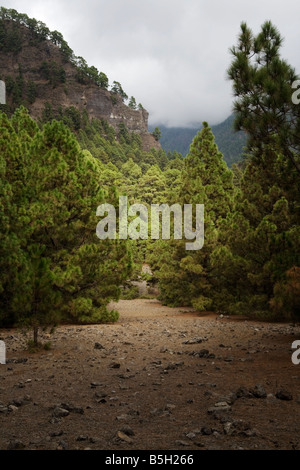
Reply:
x=159 y=379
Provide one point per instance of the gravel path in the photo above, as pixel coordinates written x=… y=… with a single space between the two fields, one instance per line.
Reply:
x=159 y=379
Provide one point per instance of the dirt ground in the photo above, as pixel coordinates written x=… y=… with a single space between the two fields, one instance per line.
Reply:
x=159 y=379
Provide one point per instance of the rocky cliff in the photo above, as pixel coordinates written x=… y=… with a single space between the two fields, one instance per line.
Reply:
x=37 y=74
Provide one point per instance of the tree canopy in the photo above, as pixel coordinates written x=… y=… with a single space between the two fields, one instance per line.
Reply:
x=56 y=172
x=263 y=87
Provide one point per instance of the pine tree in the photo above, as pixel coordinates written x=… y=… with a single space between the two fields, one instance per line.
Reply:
x=185 y=277
x=263 y=87
x=261 y=236
x=152 y=186
x=53 y=189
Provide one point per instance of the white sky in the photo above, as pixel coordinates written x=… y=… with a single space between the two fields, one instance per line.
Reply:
x=171 y=55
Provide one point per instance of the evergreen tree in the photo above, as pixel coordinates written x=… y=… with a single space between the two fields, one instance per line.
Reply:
x=185 y=277
x=51 y=191
x=263 y=87
x=156 y=133
x=152 y=186
x=132 y=103
x=262 y=237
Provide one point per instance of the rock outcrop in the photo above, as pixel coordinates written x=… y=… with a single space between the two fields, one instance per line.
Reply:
x=26 y=66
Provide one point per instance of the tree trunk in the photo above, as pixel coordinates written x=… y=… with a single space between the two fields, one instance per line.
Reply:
x=35 y=335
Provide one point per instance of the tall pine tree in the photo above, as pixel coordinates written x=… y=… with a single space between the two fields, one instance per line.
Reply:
x=51 y=191
x=185 y=277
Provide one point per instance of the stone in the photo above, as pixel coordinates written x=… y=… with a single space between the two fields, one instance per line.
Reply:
x=271 y=398
x=221 y=404
x=199 y=444
x=56 y=434
x=78 y=409
x=259 y=391
x=82 y=438
x=17 y=361
x=284 y=395
x=3 y=408
x=203 y=353
x=229 y=399
x=124 y=437
x=248 y=433
x=228 y=428
x=182 y=443
x=100 y=395
x=219 y=408
x=98 y=346
x=102 y=401
x=122 y=417
x=62 y=445
x=12 y=408
x=21 y=401
x=60 y=412
x=71 y=408
x=206 y=431
x=243 y=392
x=94 y=440
x=229 y=359
x=115 y=365
x=96 y=384
x=194 y=341
x=127 y=430
x=16 y=445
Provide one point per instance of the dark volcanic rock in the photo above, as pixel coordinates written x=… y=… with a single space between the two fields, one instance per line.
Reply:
x=284 y=395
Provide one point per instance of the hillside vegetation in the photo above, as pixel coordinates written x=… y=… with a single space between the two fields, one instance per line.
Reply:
x=43 y=74
x=57 y=169
x=230 y=143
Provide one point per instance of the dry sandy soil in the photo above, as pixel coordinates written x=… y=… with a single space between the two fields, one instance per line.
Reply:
x=159 y=379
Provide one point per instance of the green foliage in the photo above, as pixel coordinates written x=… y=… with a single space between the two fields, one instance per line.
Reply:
x=117 y=89
x=156 y=133
x=34 y=347
x=55 y=173
x=132 y=103
x=262 y=85
x=53 y=72
x=11 y=36
x=86 y=73
x=22 y=92
x=263 y=232
x=55 y=267
x=286 y=300
x=230 y=143
x=129 y=293
x=185 y=278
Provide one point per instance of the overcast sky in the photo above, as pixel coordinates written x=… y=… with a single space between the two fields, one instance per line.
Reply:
x=171 y=55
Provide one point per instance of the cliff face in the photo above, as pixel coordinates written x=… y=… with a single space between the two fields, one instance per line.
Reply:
x=28 y=65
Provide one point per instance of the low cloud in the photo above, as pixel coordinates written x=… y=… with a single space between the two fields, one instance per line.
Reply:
x=172 y=56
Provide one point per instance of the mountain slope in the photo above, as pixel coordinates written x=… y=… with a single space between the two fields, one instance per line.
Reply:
x=230 y=143
x=42 y=73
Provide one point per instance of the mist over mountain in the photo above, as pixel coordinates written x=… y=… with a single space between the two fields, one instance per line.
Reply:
x=230 y=143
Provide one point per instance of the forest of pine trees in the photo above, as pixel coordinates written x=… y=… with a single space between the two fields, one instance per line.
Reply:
x=55 y=173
